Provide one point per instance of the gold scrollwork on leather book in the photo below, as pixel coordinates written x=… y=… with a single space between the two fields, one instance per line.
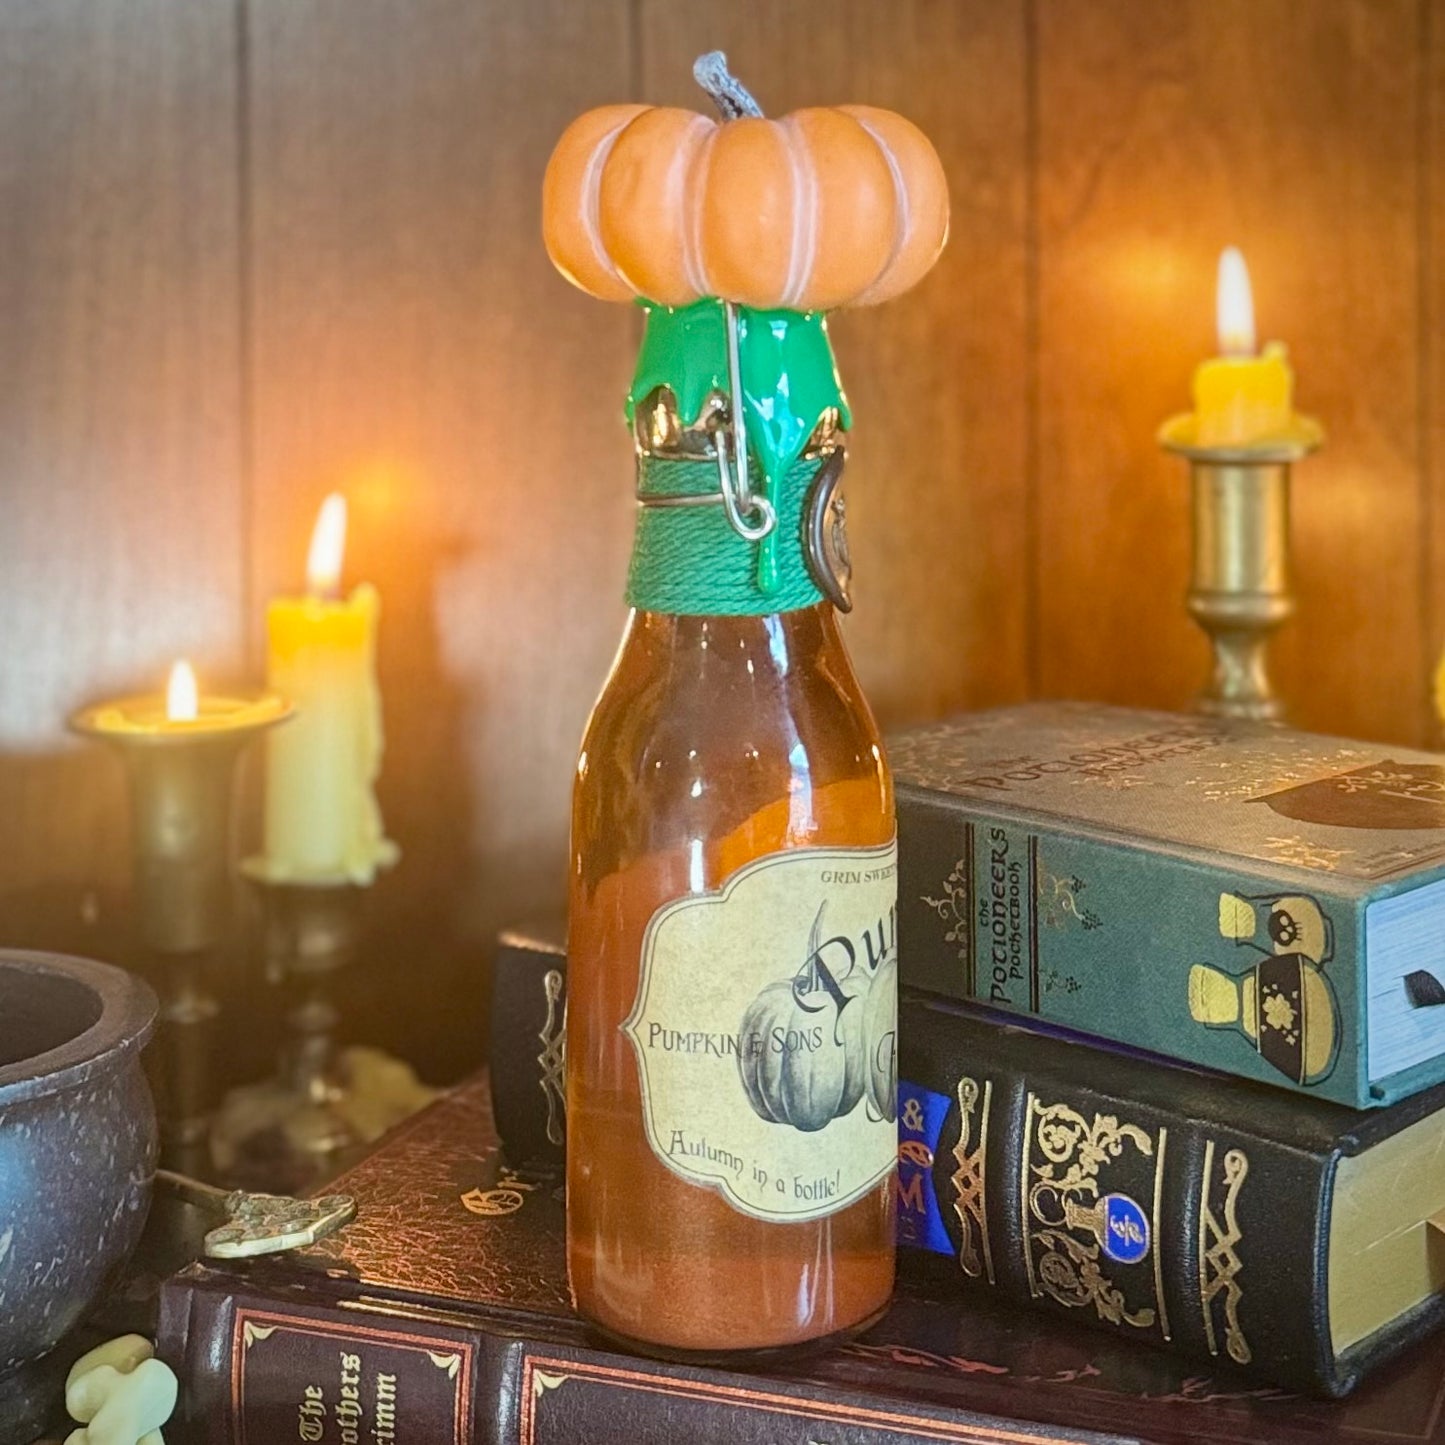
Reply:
x=968 y=1180
x=1219 y=1263
x=955 y=908
x=552 y=1061
x=1075 y=1230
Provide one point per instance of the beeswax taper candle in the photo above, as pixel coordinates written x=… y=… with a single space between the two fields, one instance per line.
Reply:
x=322 y=823
x=1241 y=398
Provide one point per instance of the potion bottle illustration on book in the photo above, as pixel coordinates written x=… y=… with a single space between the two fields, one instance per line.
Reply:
x=1284 y=1005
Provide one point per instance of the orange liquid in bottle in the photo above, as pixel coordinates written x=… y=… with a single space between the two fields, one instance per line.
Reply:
x=716 y=741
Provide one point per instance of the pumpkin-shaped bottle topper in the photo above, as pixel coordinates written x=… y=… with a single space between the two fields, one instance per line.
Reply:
x=827 y=207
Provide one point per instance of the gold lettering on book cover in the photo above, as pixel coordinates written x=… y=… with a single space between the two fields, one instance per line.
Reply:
x=553 y=1059
x=1219 y=1263
x=1300 y=852
x=1065 y=1217
x=505 y=1198
x=968 y=1180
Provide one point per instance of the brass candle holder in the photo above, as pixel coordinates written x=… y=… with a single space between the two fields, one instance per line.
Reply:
x=182 y=774
x=324 y=1102
x=1239 y=590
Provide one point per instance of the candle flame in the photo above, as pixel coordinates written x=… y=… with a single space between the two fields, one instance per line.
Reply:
x=182 y=695
x=328 y=546
x=1234 y=305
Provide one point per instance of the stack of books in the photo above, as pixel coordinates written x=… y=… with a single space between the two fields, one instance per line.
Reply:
x=1206 y=1111
x=1170 y=1044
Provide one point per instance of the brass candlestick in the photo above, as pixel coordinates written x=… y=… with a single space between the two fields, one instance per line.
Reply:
x=1240 y=592
x=325 y=1102
x=181 y=775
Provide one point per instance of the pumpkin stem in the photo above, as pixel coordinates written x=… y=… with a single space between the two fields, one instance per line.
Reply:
x=729 y=94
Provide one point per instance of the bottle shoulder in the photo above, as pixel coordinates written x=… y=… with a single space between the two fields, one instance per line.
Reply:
x=732 y=691
x=716 y=725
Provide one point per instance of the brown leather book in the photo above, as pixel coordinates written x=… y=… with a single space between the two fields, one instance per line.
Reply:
x=441 y=1315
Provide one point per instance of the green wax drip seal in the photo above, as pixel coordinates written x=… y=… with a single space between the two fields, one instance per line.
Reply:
x=788 y=373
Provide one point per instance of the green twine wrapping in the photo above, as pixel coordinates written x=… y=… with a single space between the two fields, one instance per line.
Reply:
x=688 y=560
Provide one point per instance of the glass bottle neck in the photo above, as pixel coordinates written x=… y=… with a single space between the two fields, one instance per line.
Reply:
x=787 y=640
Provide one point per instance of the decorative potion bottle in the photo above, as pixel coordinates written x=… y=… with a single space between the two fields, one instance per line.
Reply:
x=1285 y=1006
x=732 y=968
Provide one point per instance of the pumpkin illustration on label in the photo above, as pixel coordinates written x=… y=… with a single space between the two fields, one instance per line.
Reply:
x=811 y=1046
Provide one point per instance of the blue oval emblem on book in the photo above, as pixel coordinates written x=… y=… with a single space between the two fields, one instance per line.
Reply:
x=1126 y=1231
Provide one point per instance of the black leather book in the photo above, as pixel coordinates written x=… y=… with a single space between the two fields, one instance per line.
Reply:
x=527 y=1038
x=1304 y=1237
x=1177 y=1208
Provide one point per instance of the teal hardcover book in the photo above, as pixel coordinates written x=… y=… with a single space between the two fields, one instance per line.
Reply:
x=1235 y=896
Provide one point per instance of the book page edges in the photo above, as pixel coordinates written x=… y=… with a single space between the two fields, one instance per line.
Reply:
x=1387 y=1232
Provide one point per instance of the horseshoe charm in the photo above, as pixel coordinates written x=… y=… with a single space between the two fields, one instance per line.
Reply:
x=825 y=540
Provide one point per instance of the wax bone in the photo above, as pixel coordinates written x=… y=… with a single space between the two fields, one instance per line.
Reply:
x=120 y=1393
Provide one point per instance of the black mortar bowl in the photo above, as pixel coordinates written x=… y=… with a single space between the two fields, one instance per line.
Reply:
x=77 y=1141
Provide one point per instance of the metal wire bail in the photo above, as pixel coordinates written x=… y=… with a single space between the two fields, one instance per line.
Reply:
x=738 y=500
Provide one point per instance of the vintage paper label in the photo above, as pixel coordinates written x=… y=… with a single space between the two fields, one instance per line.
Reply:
x=765 y=1031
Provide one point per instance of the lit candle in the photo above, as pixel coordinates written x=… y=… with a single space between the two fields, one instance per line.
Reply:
x=183 y=694
x=1240 y=398
x=180 y=749
x=180 y=714
x=322 y=823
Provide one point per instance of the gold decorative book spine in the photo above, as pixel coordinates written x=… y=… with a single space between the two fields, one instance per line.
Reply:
x=1066 y=1241
x=1219 y=1263
x=972 y=1166
x=552 y=1060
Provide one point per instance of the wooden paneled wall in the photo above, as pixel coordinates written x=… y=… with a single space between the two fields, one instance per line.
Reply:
x=254 y=250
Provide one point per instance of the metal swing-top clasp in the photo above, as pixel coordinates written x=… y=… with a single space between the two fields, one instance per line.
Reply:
x=737 y=496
